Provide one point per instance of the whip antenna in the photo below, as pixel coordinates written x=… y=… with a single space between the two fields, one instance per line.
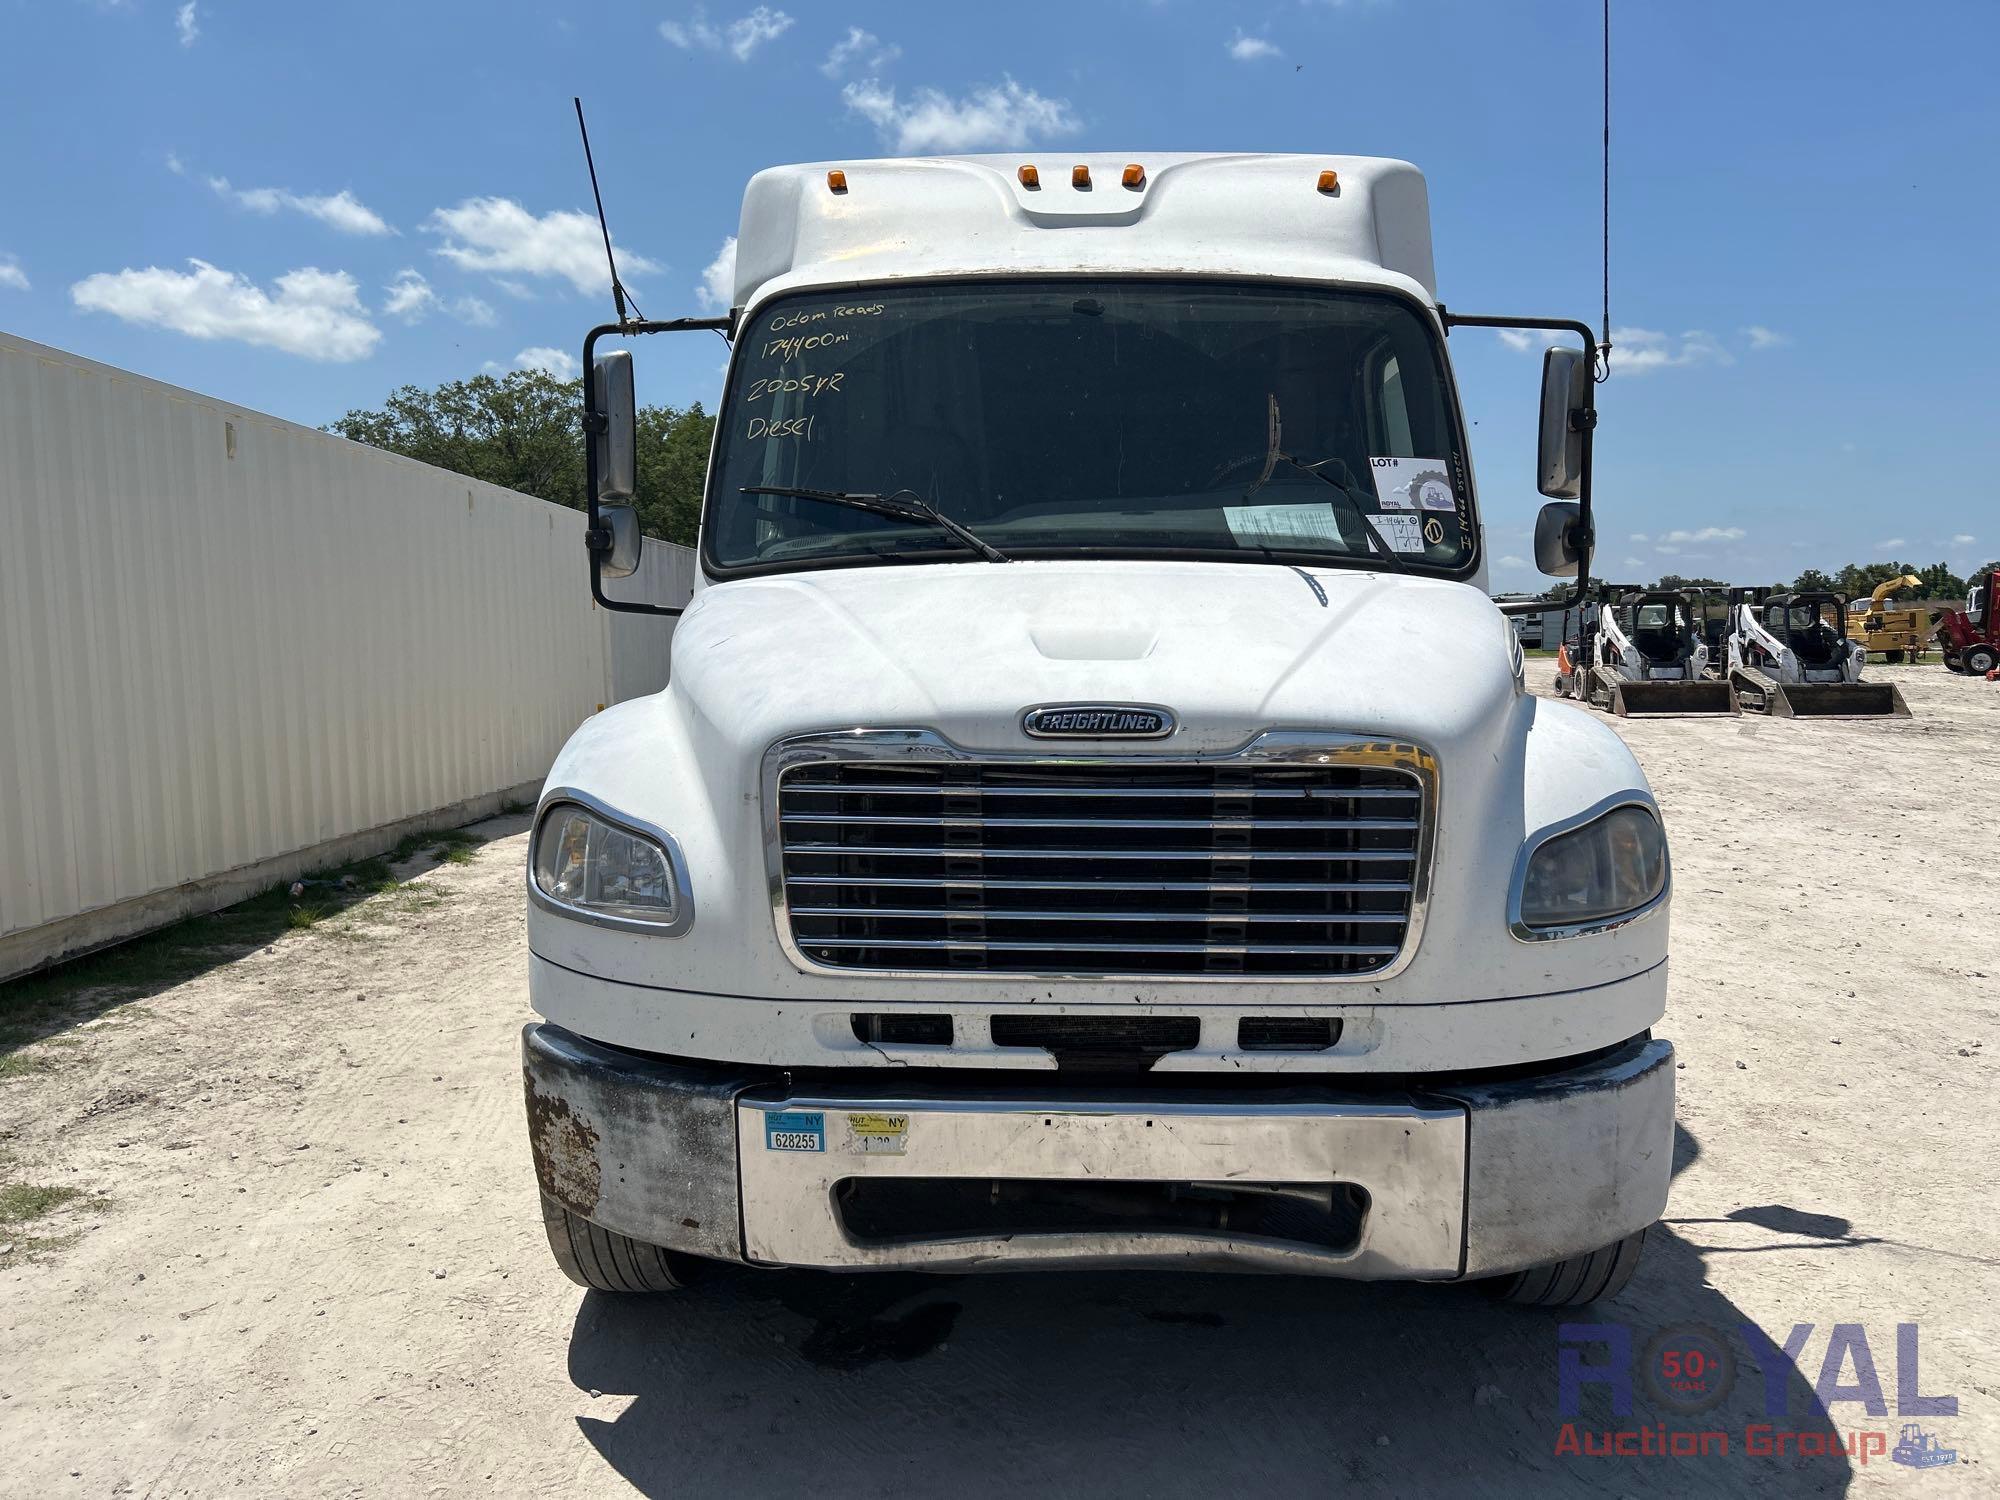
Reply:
x=618 y=293
x=1605 y=345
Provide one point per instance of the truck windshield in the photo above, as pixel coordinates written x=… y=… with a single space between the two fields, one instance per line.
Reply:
x=1092 y=418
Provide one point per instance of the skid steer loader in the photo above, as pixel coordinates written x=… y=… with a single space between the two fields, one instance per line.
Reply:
x=1790 y=656
x=1650 y=660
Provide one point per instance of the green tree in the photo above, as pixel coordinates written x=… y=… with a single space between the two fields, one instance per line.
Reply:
x=1812 y=581
x=523 y=431
x=1858 y=580
x=1940 y=583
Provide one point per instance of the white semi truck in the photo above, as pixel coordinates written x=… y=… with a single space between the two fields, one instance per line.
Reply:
x=1096 y=816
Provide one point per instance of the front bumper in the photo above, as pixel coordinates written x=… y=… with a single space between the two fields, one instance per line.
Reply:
x=1442 y=1178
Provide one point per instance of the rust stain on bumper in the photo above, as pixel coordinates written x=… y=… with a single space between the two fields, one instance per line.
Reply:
x=565 y=1149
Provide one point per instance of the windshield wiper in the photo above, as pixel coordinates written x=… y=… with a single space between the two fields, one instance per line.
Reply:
x=1388 y=553
x=1275 y=455
x=902 y=505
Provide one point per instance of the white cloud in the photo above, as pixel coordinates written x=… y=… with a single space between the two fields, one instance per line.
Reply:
x=1246 y=48
x=558 y=362
x=741 y=37
x=1766 y=338
x=1706 y=534
x=1003 y=114
x=1635 y=562
x=185 y=24
x=1961 y=540
x=316 y=314
x=1634 y=351
x=342 y=210
x=1518 y=339
x=1893 y=542
x=412 y=298
x=12 y=276
x=1511 y=561
x=1640 y=536
x=859 y=50
x=718 y=279
x=497 y=235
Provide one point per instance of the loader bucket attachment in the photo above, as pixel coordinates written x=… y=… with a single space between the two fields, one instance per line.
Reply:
x=1838 y=700
x=1652 y=700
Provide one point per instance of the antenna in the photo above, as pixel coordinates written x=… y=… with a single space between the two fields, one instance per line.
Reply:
x=1605 y=345
x=618 y=293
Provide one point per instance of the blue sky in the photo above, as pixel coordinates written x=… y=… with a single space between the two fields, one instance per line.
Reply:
x=1804 y=215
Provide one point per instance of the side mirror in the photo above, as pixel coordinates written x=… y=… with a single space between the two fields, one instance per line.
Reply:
x=1556 y=551
x=618 y=443
x=627 y=540
x=1565 y=389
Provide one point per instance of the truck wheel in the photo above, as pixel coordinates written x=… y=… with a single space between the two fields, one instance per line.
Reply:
x=608 y=1262
x=1979 y=660
x=1573 y=1282
x=1893 y=658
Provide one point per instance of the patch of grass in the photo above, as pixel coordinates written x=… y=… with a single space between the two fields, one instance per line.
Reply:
x=22 y=1201
x=35 y=1008
x=512 y=809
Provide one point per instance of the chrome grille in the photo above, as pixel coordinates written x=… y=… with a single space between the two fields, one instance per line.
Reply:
x=1211 y=868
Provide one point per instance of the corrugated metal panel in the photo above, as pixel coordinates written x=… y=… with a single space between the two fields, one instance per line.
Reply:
x=225 y=637
x=636 y=646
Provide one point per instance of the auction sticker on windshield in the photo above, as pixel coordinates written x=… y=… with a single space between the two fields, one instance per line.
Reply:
x=1273 y=524
x=1412 y=484
x=1402 y=533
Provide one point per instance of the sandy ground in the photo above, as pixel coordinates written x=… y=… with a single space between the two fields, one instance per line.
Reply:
x=306 y=1258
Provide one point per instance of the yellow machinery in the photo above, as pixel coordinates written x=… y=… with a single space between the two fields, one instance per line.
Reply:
x=1897 y=634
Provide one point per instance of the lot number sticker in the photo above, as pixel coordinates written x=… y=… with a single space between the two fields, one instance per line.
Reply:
x=1412 y=484
x=795 y=1130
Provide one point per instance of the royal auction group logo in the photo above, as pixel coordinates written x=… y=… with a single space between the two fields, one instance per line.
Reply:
x=1688 y=1370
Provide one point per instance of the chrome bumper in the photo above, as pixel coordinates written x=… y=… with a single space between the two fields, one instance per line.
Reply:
x=1434 y=1183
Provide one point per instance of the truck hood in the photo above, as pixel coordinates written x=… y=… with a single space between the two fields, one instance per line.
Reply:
x=1232 y=649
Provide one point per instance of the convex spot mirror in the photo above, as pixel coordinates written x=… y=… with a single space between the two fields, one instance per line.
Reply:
x=618 y=443
x=1565 y=390
x=627 y=540
x=1556 y=552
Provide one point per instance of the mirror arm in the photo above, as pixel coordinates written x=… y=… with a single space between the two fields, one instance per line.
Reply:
x=1584 y=421
x=596 y=535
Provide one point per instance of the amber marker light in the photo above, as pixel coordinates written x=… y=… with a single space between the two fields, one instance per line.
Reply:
x=1329 y=182
x=836 y=181
x=1135 y=175
x=1079 y=176
x=1030 y=178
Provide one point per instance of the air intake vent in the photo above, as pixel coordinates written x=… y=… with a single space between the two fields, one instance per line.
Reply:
x=1100 y=1044
x=1081 y=868
x=1285 y=1034
x=891 y=1029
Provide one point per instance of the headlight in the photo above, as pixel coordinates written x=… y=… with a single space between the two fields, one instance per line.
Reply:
x=1593 y=875
x=590 y=864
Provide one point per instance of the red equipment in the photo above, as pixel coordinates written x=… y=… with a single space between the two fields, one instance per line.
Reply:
x=1971 y=636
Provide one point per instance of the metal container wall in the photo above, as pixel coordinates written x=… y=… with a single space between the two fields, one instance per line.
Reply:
x=226 y=638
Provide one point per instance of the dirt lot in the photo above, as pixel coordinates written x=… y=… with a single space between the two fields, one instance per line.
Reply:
x=269 y=1224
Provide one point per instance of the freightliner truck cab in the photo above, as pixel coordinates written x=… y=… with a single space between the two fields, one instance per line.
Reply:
x=1096 y=817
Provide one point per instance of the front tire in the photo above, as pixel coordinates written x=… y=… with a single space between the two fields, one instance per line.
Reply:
x=1979 y=660
x=603 y=1261
x=1575 y=1281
